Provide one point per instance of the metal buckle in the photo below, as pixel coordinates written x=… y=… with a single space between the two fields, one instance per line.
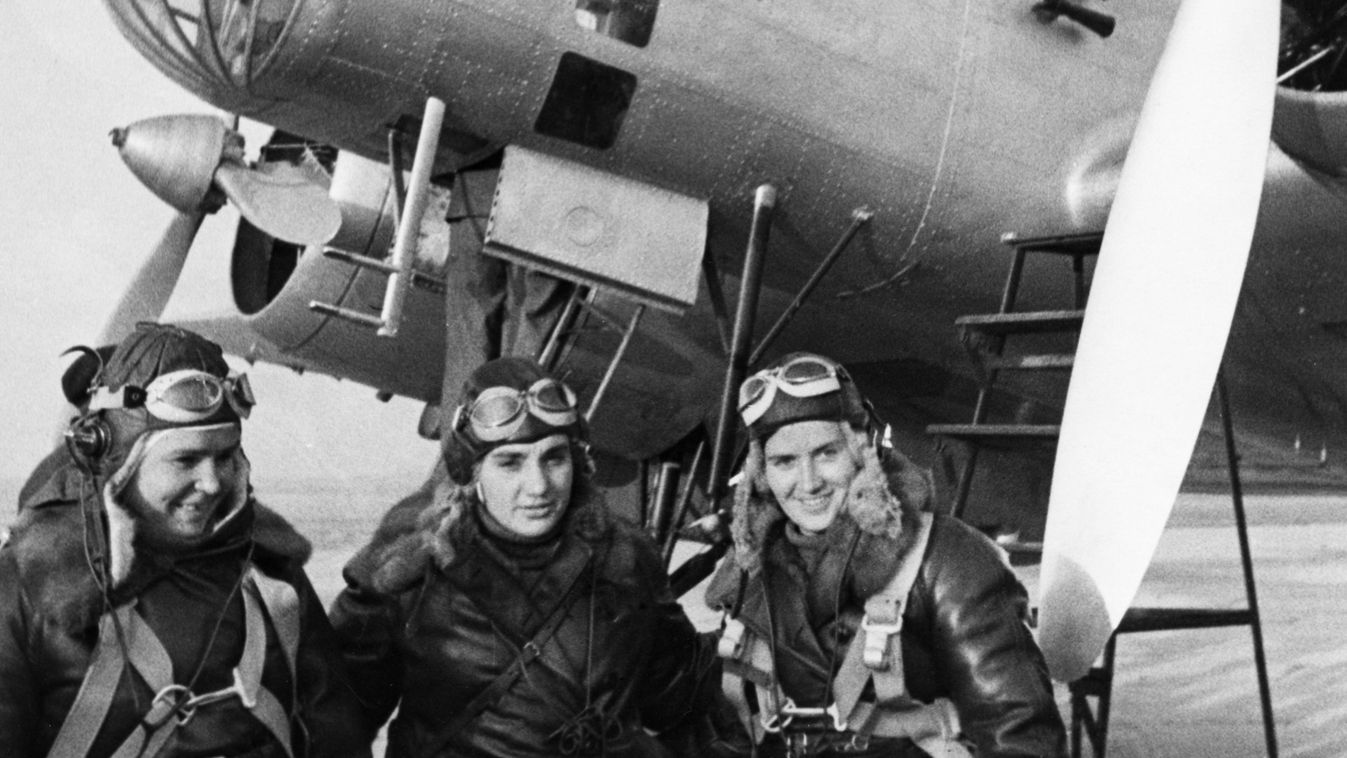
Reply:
x=529 y=652
x=877 y=641
x=790 y=712
x=731 y=642
x=774 y=723
x=173 y=700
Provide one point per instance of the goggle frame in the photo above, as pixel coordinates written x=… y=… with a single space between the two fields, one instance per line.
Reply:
x=157 y=398
x=758 y=392
x=527 y=402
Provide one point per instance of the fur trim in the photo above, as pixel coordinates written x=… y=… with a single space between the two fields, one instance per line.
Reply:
x=429 y=528
x=878 y=496
x=128 y=563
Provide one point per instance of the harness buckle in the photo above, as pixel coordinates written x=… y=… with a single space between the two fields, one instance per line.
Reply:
x=731 y=642
x=829 y=718
x=877 y=637
x=774 y=723
x=248 y=699
x=792 y=711
x=173 y=700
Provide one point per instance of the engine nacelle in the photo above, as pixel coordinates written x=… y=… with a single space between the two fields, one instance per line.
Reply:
x=663 y=387
x=1311 y=127
x=274 y=282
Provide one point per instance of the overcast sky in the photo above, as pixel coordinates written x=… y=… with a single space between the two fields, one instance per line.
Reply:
x=76 y=224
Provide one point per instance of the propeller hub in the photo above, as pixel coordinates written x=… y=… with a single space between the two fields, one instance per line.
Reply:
x=175 y=156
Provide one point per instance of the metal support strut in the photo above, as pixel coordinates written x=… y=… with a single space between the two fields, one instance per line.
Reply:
x=1246 y=559
x=399 y=267
x=688 y=575
x=764 y=203
x=698 y=567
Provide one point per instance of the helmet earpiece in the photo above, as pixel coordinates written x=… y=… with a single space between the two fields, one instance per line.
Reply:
x=88 y=439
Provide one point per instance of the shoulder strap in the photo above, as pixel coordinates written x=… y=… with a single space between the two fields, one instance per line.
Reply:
x=877 y=650
x=876 y=654
x=282 y=604
x=91 y=704
x=124 y=630
x=493 y=692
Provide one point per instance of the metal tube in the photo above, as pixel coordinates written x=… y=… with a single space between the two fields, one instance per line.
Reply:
x=859 y=217
x=717 y=294
x=617 y=358
x=409 y=228
x=1310 y=61
x=671 y=537
x=763 y=204
x=666 y=490
x=395 y=172
x=548 y=355
x=1246 y=560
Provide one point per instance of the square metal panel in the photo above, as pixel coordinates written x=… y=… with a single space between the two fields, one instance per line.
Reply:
x=580 y=223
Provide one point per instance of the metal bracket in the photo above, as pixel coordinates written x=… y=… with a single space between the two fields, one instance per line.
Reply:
x=399 y=268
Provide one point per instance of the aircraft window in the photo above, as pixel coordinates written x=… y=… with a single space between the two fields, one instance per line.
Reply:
x=216 y=41
x=628 y=20
x=586 y=103
x=246 y=30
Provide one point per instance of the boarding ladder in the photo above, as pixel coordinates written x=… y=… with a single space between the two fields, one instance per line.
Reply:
x=984 y=337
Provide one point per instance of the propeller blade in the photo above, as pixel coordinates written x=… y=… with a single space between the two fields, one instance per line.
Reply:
x=1160 y=308
x=147 y=294
x=180 y=158
x=282 y=201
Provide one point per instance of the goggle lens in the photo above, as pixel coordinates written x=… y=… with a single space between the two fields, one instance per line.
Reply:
x=806 y=370
x=553 y=396
x=499 y=412
x=199 y=393
x=182 y=396
x=496 y=406
x=752 y=390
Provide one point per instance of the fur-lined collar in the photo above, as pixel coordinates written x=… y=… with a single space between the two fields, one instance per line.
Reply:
x=434 y=527
x=880 y=495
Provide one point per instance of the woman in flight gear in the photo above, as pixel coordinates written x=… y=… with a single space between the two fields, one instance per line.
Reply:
x=513 y=615
x=856 y=623
x=152 y=615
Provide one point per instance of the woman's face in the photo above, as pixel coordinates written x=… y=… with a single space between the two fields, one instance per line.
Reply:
x=809 y=468
x=526 y=486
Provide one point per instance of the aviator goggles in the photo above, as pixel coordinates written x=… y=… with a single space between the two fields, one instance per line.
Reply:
x=806 y=376
x=181 y=397
x=499 y=412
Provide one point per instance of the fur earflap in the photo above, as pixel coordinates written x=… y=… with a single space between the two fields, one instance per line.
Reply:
x=878 y=495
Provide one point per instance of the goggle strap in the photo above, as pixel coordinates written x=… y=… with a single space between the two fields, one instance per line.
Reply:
x=235 y=389
x=129 y=396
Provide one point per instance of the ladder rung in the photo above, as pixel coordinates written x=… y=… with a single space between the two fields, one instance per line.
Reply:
x=1029 y=362
x=1065 y=244
x=997 y=431
x=1095 y=683
x=1024 y=322
x=1018 y=547
x=365 y=319
x=1160 y=619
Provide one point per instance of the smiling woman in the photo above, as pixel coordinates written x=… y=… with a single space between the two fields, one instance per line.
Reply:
x=158 y=540
x=184 y=478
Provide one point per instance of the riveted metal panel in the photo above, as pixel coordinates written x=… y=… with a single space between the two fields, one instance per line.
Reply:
x=599 y=228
